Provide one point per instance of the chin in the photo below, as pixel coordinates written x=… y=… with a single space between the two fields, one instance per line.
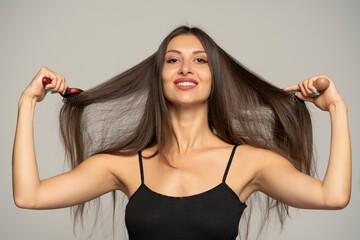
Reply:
x=187 y=102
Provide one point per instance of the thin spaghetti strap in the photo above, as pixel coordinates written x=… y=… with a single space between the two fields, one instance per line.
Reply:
x=229 y=162
x=141 y=167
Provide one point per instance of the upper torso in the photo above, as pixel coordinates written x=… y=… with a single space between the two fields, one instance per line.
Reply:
x=200 y=195
x=194 y=174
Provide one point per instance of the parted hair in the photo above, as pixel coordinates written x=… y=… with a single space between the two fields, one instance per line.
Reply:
x=129 y=112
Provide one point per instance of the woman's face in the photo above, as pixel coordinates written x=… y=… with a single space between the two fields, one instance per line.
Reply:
x=186 y=74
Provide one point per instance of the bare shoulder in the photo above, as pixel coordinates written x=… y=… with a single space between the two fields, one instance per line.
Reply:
x=261 y=158
x=110 y=161
x=123 y=167
x=254 y=160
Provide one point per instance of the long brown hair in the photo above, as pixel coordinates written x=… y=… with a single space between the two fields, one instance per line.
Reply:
x=129 y=112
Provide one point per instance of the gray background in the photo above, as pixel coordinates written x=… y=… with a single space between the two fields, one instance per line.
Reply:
x=90 y=41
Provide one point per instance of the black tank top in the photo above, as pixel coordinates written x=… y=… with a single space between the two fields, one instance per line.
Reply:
x=213 y=214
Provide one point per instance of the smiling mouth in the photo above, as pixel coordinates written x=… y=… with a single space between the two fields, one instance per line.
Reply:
x=185 y=84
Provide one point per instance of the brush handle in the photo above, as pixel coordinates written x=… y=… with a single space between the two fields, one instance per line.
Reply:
x=46 y=81
x=321 y=84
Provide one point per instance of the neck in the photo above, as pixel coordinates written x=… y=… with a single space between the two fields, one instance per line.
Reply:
x=191 y=128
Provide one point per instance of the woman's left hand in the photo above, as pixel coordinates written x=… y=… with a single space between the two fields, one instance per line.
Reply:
x=326 y=98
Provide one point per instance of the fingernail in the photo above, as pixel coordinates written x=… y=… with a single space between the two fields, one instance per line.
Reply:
x=315 y=94
x=63 y=92
x=53 y=92
x=47 y=90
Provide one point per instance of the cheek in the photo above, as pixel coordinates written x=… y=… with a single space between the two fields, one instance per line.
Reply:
x=165 y=78
x=166 y=75
x=205 y=73
x=165 y=84
x=167 y=91
x=207 y=78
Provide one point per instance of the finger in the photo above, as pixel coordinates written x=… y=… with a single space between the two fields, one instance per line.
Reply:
x=53 y=79
x=302 y=89
x=66 y=86
x=305 y=85
x=62 y=87
x=45 y=72
x=304 y=98
x=291 y=88
x=58 y=83
x=311 y=85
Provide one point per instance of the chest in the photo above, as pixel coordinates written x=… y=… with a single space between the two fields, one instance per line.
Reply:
x=214 y=214
x=190 y=176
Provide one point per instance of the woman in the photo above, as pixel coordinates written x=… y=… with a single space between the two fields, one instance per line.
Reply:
x=205 y=134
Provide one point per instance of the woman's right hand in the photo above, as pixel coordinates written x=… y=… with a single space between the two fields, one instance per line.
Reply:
x=36 y=88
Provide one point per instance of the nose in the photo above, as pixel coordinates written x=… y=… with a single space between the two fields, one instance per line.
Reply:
x=185 y=68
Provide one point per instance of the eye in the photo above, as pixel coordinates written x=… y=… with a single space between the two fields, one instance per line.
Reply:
x=173 y=60
x=201 y=60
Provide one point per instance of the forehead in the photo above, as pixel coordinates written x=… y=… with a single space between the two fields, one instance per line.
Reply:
x=184 y=43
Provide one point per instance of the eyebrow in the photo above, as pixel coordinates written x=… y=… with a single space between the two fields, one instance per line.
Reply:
x=194 y=52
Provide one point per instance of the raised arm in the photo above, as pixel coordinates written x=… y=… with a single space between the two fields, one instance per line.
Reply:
x=280 y=180
x=90 y=179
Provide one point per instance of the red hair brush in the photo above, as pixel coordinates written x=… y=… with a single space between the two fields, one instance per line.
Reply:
x=70 y=96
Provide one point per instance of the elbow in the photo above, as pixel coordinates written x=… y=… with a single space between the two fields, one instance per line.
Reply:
x=23 y=203
x=339 y=203
x=19 y=203
x=344 y=202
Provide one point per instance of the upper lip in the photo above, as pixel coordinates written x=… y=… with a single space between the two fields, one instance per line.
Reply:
x=185 y=80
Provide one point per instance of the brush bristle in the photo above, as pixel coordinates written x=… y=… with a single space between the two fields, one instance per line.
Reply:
x=72 y=99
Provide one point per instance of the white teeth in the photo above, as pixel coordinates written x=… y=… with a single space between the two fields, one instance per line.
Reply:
x=186 y=84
